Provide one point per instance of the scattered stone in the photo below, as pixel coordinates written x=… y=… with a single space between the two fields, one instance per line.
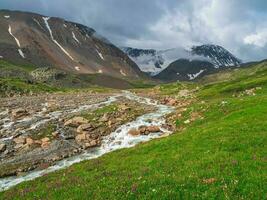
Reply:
x=93 y=143
x=187 y=121
x=2 y=148
x=170 y=101
x=209 y=181
x=76 y=121
x=45 y=145
x=124 y=108
x=81 y=137
x=85 y=128
x=104 y=118
x=20 y=140
x=55 y=134
x=19 y=113
x=45 y=140
x=184 y=93
x=29 y=141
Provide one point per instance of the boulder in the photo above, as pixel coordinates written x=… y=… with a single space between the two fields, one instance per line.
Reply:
x=2 y=148
x=85 y=128
x=55 y=134
x=142 y=129
x=20 y=140
x=29 y=141
x=81 y=137
x=153 y=129
x=76 y=121
x=93 y=143
x=45 y=140
x=124 y=108
x=104 y=118
x=19 y=113
x=45 y=145
x=134 y=132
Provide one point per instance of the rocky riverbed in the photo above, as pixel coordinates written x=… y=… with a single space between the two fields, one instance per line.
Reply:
x=36 y=132
x=46 y=133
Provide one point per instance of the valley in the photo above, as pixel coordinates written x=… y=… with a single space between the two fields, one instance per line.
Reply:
x=83 y=118
x=190 y=135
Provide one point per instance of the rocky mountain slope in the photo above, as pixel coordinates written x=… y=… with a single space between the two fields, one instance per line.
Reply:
x=32 y=39
x=176 y=64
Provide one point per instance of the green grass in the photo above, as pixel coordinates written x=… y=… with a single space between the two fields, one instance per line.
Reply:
x=99 y=112
x=12 y=86
x=8 y=65
x=44 y=132
x=235 y=81
x=227 y=148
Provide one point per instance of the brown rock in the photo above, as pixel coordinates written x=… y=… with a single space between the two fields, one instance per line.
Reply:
x=19 y=113
x=93 y=143
x=45 y=140
x=2 y=148
x=209 y=180
x=142 y=129
x=124 y=107
x=84 y=128
x=104 y=118
x=45 y=145
x=153 y=129
x=81 y=137
x=76 y=121
x=29 y=141
x=39 y=142
x=55 y=134
x=20 y=140
x=134 y=132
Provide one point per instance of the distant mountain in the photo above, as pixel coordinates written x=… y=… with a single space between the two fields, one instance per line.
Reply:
x=32 y=39
x=189 y=64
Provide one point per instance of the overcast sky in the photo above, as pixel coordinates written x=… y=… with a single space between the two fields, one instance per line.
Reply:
x=238 y=25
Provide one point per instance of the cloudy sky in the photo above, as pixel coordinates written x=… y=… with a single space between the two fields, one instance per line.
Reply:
x=238 y=25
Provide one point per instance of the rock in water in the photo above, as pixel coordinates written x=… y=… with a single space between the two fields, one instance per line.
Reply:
x=134 y=132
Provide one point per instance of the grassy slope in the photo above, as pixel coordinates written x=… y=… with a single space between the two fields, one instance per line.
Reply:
x=222 y=156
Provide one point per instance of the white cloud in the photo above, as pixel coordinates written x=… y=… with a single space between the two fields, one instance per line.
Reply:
x=258 y=39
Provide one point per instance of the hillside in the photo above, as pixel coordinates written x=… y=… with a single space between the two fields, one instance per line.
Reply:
x=217 y=149
x=41 y=41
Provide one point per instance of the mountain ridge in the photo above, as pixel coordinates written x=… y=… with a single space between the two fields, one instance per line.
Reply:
x=156 y=61
x=29 y=38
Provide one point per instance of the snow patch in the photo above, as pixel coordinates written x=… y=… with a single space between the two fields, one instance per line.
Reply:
x=65 y=25
x=194 y=76
x=52 y=37
x=1 y=57
x=100 y=55
x=21 y=53
x=100 y=71
x=16 y=39
x=122 y=73
x=7 y=16
x=38 y=23
x=77 y=68
x=74 y=37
